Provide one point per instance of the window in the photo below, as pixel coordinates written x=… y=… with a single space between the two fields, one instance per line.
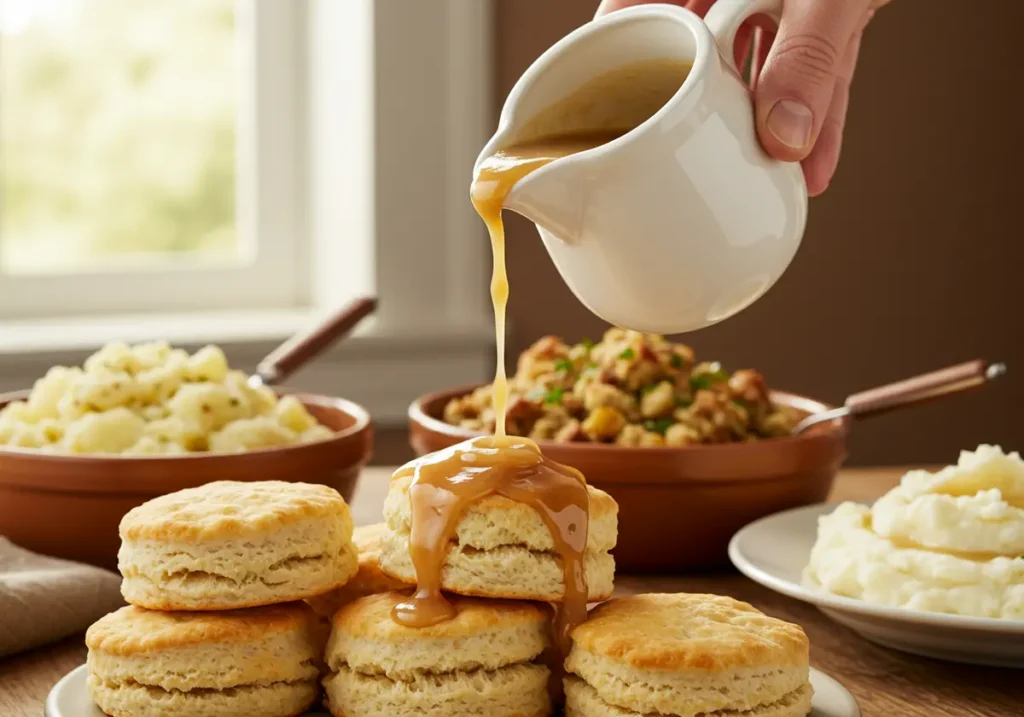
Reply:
x=248 y=162
x=139 y=168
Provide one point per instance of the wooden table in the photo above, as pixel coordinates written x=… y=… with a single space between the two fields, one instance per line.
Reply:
x=886 y=683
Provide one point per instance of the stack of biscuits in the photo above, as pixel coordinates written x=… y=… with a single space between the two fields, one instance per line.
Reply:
x=215 y=578
x=499 y=570
x=229 y=585
x=639 y=656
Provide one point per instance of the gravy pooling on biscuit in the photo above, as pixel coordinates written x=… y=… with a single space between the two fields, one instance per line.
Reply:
x=447 y=482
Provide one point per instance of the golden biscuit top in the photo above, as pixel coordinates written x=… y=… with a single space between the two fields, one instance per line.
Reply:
x=601 y=504
x=370 y=618
x=367 y=539
x=689 y=632
x=370 y=578
x=134 y=630
x=227 y=509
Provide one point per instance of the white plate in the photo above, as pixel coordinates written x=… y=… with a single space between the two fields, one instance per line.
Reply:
x=70 y=698
x=774 y=550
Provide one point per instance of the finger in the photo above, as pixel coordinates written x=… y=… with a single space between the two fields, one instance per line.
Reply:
x=795 y=89
x=820 y=165
x=608 y=6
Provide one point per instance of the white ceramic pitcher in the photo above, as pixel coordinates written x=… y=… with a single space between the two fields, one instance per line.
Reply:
x=685 y=220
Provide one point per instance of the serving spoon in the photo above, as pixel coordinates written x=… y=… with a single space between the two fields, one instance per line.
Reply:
x=909 y=392
x=301 y=348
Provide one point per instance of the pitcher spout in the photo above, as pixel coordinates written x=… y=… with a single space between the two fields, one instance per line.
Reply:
x=552 y=198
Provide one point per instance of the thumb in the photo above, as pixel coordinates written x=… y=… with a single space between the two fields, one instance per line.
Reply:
x=795 y=88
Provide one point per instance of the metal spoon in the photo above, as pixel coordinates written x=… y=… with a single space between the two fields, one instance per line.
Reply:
x=301 y=348
x=926 y=387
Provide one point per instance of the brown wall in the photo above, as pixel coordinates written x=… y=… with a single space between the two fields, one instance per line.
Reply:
x=914 y=259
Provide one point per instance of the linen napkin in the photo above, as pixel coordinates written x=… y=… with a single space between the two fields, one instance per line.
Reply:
x=43 y=599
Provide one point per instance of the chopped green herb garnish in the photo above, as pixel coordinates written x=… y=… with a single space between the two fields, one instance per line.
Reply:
x=659 y=425
x=644 y=390
x=741 y=404
x=554 y=395
x=718 y=373
x=627 y=354
x=676 y=361
x=587 y=344
x=684 y=402
x=705 y=380
x=563 y=365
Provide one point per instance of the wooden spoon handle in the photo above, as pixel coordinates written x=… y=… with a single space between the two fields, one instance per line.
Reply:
x=304 y=346
x=925 y=387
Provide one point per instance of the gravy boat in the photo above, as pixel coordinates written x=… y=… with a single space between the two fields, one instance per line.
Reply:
x=683 y=221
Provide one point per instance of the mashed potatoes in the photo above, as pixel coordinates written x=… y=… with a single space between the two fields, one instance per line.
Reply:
x=152 y=399
x=951 y=541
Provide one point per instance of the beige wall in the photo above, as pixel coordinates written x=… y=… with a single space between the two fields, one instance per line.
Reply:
x=913 y=260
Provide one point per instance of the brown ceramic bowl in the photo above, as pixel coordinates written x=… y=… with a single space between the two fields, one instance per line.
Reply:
x=678 y=507
x=70 y=506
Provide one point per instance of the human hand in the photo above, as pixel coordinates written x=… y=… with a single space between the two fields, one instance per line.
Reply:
x=802 y=79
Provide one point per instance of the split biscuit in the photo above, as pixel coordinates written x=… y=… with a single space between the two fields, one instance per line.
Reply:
x=503 y=549
x=258 y=662
x=227 y=545
x=686 y=656
x=369 y=580
x=484 y=661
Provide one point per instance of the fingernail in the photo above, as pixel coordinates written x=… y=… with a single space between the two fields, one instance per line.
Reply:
x=791 y=122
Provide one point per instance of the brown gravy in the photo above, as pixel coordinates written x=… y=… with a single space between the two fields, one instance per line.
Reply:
x=446 y=483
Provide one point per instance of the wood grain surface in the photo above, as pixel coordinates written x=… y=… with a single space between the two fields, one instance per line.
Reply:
x=886 y=683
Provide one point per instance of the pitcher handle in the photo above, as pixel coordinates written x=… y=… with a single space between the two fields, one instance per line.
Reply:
x=725 y=17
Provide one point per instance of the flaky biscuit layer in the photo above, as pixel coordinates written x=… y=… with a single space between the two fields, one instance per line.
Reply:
x=276 y=700
x=582 y=700
x=484 y=634
x=511 y=572
x=514 y=691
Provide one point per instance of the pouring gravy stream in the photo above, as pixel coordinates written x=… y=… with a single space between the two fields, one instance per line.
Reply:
x=446 y=483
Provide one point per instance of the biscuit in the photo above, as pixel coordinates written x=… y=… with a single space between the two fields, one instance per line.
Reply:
x=369 y=580
x=228 y=545
x=686 y=655
x=481 y=662
x=502 y=548
x=582 y=700
x=260 y=662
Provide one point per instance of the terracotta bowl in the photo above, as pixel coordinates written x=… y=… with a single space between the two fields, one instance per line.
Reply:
x=70 y=506
x=678 y=507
